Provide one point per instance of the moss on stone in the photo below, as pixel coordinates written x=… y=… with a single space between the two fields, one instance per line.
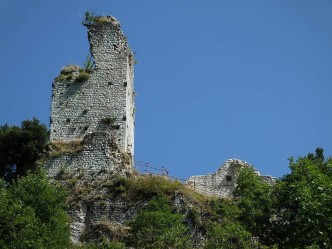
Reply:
x=82 y=77
x=69 y=69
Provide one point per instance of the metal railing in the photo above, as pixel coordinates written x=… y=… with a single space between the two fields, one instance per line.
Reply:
x=147 y=168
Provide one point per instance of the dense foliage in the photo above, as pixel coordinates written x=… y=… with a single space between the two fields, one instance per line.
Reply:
x=158 y=226
x=296 y=211
x=21 y=147
x=253 y=197
x=32 y=214
x=303 y=203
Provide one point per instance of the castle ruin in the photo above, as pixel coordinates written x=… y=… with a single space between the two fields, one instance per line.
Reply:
x=93 y=113
x=92 y=132
x=93 y=110
x=222 y=183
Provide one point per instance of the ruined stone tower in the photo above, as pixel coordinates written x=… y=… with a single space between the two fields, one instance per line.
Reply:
x=92 y=116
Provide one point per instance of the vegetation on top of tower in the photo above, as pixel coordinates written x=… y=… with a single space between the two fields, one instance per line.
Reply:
x=76 y=73
x=82 y=76
x=91 y=19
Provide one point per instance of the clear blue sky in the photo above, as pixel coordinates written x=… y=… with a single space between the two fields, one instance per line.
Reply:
x=215 y=79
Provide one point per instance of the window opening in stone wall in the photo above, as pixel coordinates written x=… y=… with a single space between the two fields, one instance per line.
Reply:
x=67 y=120
x=228 y=178
x=116 y=127
x=88 y=208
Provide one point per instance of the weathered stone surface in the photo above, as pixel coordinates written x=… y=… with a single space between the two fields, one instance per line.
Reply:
x=222 y=183
x=98 y=109
x=115 y=212
x=100 y=153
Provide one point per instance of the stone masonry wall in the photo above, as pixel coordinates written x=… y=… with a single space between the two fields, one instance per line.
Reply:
x=99 y=153
x=222 y=183
x=80 y=108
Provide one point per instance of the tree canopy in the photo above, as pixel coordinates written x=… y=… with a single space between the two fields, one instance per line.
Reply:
x=303 y=203
x=296 y=211
x=157 y=226
x=21 y=147
x=32 y=214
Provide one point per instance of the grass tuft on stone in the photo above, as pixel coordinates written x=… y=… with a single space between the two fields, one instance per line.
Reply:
x=60 y=148
x=82 y=77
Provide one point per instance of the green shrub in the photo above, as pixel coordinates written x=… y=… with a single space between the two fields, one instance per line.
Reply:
x=82 y=77
x=194 y=217
x=157 y=226
x=91 y=19
x=69 y=69
x=229 y=235
x=119 y=186
x=150 y=185
x=32 y=214
x=67 y=73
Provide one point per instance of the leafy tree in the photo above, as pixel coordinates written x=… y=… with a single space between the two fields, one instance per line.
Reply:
x=304 y=216
x=227 y=209
x=158 y=227
x=229 y=235
x=253 y=196
x=21 y=147
x=228 y=231
x=32 y=214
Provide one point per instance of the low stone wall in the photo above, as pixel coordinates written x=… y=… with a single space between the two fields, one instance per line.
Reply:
x=222 y=183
